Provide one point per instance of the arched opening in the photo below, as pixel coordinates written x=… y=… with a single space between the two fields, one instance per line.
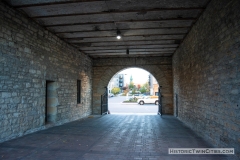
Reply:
x=133 y=91
x=105 y=69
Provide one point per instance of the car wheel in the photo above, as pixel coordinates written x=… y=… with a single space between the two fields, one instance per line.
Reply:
x=141 y=103
x=156 y=102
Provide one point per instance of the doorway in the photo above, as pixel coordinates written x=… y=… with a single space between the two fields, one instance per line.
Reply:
x=51 y=102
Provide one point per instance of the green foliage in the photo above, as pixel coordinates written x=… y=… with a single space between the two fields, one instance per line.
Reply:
x=115 y=90
x=146 y=86
x=134 y=91
x=133 y=99
x=143 y=90
x=131 y=85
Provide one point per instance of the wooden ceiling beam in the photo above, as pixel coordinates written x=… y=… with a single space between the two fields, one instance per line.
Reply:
x=81 y=38
x=126 y=21
x=173 y=39
x=126 y=38
x=54 y=3
x=121 y=29
x=133 y=53
x=130 y=51
x=96 y=42
x=119 y=12
x=127 y=45
x=130 y=48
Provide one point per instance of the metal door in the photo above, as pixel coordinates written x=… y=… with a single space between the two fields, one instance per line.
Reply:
x=159 y=101
x=104 y=102
x=176 y=105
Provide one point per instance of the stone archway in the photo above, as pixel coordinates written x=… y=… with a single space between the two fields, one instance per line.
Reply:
x=160 y=67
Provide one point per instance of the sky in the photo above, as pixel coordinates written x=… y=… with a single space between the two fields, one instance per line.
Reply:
x=139 y=76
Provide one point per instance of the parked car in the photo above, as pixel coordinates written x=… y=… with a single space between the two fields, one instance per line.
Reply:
x=147 y=99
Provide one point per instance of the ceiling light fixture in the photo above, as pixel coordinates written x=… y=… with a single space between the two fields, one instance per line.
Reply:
x=119 y=34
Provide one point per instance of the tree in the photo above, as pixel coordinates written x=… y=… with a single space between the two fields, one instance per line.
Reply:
x=131 y=85
x=143 y=90
x=146 y=86
x=134 y=91
x=138 y=86
x=115 y=90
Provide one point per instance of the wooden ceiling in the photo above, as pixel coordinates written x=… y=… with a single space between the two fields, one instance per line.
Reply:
x=148 y=27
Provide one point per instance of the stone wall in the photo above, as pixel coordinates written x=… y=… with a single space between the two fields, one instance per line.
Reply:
x=206 y=72
x=105 y=68
x=29 y=56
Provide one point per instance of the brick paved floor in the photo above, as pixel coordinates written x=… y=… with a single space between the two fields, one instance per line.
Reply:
x=110 y=137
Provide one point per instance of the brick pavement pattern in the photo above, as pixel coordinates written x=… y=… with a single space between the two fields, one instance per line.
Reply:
x=110 y=137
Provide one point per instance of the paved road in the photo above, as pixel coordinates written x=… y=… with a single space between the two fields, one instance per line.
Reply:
x=116 y=106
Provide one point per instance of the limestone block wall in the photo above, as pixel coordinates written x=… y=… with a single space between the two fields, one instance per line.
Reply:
x=105 y=68
x=29 y=57
x=206 y=72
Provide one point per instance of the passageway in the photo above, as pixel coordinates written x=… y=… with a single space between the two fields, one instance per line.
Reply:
x=109 y=137
x=58 y=56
